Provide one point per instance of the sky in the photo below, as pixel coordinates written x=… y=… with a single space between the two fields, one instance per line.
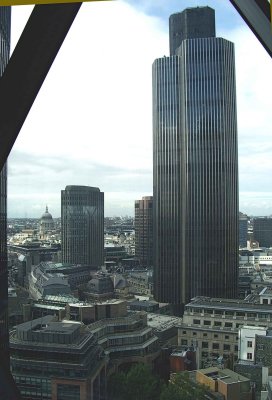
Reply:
x=91 y=123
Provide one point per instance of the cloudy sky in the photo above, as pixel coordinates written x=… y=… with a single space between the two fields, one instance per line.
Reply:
x=91 y=123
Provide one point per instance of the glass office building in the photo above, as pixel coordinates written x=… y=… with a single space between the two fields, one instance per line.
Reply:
x=82 y=226
x=195 y=163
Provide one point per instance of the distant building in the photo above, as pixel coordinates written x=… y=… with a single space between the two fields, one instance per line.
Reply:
x=57 y=360
x=183 y=360
x=46 y=222
x=88 y=313
x=140 y=283
x=82 y=225
x=255 y=356
x=145 y=305
x=144 y=230
x=43 y=283
x=262 y=231
x=99 y=287
x=243 y=227
x=247 y=339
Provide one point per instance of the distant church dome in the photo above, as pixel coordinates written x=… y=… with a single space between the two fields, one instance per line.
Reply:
x=46 y=222
x=46 y=215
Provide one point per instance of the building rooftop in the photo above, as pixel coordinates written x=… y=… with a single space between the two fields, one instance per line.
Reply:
x=225 y=375
x=75 y=188
x=229 y=304
x=162 y=322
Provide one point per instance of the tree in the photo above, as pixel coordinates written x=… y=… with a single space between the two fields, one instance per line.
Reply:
x=138 y=384
x=182 y=388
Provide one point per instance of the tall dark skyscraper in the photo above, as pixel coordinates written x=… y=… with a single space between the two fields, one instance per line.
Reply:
x=82 y=225
x=262 y=231
x=243 y=228
x=195 y=163
x=144 y=230
x=5 y=14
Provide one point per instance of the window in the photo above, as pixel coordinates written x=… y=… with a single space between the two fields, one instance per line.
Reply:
x=226 y=347
x=236 y=347
x=226 y=337
x=194 y=333
x=229 y=313
x=196 y=321
x=249 y=343
x=183 y=342
x=207 y=322
x=215 y=346
x=240 y=314
x=205 y=334
x=217 y=323
x=215 y=335
x=251 y=315
x=184 y=332
x=249 y=356
x=265 y=301
x=228 y=324
x=205 y=345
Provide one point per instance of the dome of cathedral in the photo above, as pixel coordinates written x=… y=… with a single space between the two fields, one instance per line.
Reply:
x=46 y=215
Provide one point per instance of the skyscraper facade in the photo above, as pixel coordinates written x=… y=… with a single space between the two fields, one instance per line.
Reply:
x=82 y=226
x=262 y=231
x=144 y=230
x=243 y=228
x=195 y=163
x=5 y=15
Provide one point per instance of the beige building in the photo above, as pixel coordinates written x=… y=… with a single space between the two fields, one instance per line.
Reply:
x=231 y=385
x=211 y=326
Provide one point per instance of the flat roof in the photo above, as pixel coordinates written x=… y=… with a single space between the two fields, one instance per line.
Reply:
x=162 y=322
x=228 y=304
x=225 y=375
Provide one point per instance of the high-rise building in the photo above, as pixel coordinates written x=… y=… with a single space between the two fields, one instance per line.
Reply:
x=5 y=14
x=144 y=230
x=262 y=231
x=82 y=226
x=243 y=227
x=195 y=163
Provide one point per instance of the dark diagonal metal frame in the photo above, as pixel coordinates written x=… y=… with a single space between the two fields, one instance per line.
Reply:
x=257 y=15
x=31 y=60
x=20 y=83
x=28 y=66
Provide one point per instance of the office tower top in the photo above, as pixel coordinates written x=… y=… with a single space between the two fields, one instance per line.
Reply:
x=192 y=23
x=82 y=226
x=195 y=165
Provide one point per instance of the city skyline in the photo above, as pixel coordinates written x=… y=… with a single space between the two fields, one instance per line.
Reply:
x=114 y=153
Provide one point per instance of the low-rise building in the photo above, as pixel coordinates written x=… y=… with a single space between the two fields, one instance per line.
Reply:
x=212 y=326
x=88 y=313
x=231 y=385
x=51 y=360
x=126 y=340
